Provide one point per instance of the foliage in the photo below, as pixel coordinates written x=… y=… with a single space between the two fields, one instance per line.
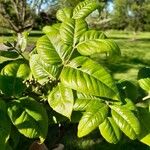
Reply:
x=60 y=79
x=17 y=14
x=133 y=15
x=120 y=14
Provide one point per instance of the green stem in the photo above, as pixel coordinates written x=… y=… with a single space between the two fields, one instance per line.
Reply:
x=66 y=62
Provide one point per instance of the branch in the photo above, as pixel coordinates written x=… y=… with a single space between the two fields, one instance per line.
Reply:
x=15 y=8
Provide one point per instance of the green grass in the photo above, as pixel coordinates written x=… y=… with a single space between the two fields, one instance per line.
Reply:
x=134 y=54
x=33 y=36
x=31 y=39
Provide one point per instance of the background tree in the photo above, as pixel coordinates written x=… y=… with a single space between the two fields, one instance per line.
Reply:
x=22 y=15
x=40 y=5
x=18 y=17
x=139 y=14
x=70 y=3
x=17 y=14
x=104 y=14
x=120 y=14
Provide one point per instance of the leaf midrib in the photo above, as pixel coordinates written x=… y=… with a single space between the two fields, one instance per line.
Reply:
x=99 y=110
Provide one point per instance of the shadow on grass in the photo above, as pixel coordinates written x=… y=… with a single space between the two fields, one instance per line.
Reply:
x=94 y=141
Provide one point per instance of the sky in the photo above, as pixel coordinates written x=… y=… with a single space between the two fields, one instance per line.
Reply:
x=110 y=6
x=44 y=6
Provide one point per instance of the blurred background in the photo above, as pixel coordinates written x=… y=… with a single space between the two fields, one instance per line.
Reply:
x=129 y=15
x=125 y=21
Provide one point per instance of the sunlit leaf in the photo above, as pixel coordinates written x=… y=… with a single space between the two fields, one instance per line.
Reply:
x=61 y=100
x=144 y=79
x=49 y=29
x=29 y=117
x=47 y=51
x=95 y=46
x=92 y=118
x=83 y=9
x=86 y=76
x=65 y=13
x=110 y=130
x=91 y=35
x=126 y=121
x=43 y=71
x=71 y=30
x=83 y=101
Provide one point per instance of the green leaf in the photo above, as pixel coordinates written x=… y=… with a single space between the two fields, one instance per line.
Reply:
x=48 y=29
x=110 y=130
x=90 y=47
x=92 y=118
x=144 y=115
x=91 y=35
x=83 y=9
x=126 y=121
x=5 y=125
x=65 y=13
x=129 y=105
x=86 y=76
x=47 y=51
x=71 y=30
x=17 y=68
x=29 y=117
x=41 y=70
x=144 y=78
x=9 y=54
x=61 y=100
x=145 y=84
x=13 y=75
x=62 y=49
x=11 y=86
x=52 y=50
x=83 y=101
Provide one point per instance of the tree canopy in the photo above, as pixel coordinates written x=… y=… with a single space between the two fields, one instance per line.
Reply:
x=20 y=15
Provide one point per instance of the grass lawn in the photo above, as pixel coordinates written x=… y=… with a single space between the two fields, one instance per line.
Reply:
x=134 y=54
